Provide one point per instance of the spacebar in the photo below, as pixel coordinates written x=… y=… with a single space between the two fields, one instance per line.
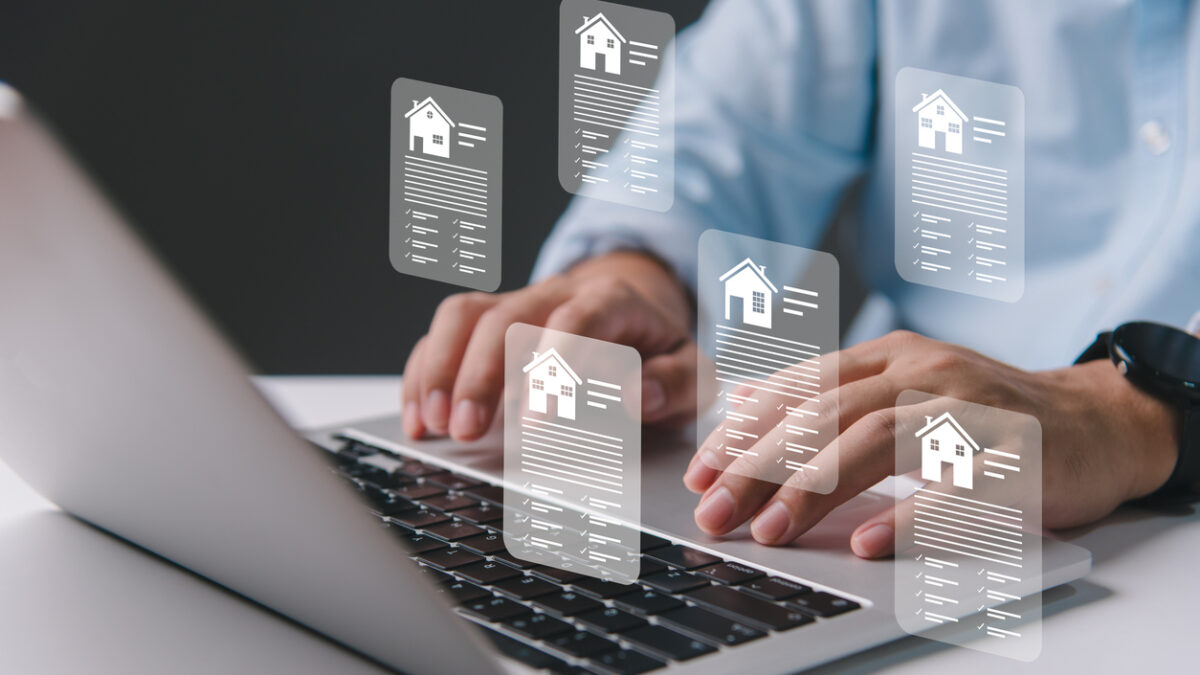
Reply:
x=750 y=610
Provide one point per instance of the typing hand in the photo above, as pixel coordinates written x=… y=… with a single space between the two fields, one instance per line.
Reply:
x=455 y=375
x=1103 y=440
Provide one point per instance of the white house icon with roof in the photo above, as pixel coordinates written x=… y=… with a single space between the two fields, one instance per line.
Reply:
x=944 y=441
x=428 y=122
x=549 y=375
x=937 y=114
x=599 y=38
x=748 y=282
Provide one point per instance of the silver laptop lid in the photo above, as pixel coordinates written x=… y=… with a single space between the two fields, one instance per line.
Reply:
x=120 y=403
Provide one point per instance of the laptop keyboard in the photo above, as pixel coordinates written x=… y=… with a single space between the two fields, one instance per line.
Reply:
x=686 y=603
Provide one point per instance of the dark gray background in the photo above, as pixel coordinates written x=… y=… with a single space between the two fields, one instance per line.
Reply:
x=249 y=143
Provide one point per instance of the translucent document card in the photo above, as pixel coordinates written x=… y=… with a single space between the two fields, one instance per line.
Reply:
x=960 y=184
x=615 y=116
x=768 y=327
x=968 y=542
x=445 y=184
x=572 y=452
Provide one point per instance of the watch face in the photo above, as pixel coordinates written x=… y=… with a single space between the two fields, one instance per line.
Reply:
x=1169 y=355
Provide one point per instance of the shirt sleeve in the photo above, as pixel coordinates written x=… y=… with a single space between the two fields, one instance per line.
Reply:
x=773 y=108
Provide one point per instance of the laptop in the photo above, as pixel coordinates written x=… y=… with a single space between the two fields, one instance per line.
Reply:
x=121 y=403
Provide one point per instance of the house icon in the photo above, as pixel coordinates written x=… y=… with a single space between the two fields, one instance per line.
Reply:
x=936 y=114
x=598 y=37
x=749 y=283
x=428 y=122
x=549 y=375
x=944 y=440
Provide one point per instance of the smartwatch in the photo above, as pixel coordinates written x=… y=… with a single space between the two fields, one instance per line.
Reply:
x=1164 y=362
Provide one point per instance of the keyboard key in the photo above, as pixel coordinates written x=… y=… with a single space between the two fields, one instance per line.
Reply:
x=484 y=544
x=729 y=573
x=651 y=542
x=465 y=591
x=449 y=558
x=650 y=567
x=481 y=515
x=610 y=620
x=674 y=581
x=538 y=626
x=419 y=519
x=582 y=644
x=555 y=574
x=450 y=502
x=454 y=530
x=822 y=604
x=776 y=588
x=487 y=493
x=625 y=662
x=647 y=602
x=420 y=491
x=602 y=589
x=519 y=651
x=748 y=609
x=493 y=609
x=418 y=469
x=682 y=556
x=420 y=543
x=486 y=572
x=566 y=603
x=705 y=625
x=452 y=481
x=512 y=561
x=666 y=643
x=525 y=587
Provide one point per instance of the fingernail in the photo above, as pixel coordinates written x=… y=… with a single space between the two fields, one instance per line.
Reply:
x=771 y=524
x=437 y=410
x=701 y=472
x=654 y=397
x=412 y=419
x=467 y=420
x=713 y=512
x=874 y=541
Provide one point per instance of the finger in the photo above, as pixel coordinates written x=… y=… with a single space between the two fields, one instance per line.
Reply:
x=669 y=385
x=449 y=334
x=876 y=536
x=791 y=445
x=480 y=377
x=864 y=455
x=410 y=392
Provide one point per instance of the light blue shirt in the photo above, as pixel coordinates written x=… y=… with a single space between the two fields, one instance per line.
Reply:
x=783 y=105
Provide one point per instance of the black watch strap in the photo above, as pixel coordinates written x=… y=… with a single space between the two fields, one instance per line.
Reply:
x=1186 y=476
x=1097 y=350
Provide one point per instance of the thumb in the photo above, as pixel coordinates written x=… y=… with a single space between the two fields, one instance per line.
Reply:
x=876 y=536
x=669 y=387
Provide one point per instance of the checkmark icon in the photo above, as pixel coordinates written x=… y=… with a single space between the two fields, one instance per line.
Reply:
x=916 y=213
x=919 y=556
x=979 y=573
x=916 y=244
x=779 y=442
x=916 y=261
x=577 y=145
x=919 y=593
x=780 y=406
x=971 y=273
x=919 y=575
x=982 y=624
x=981 y=589
x=407 y=211
x=919 y=610
x=971 y=257
x=577 y=174
x=917 y=228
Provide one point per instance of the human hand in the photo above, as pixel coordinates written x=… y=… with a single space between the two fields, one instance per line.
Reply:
x=455 y=374
x=1103 y=440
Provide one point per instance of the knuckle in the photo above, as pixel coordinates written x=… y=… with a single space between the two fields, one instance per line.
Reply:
x=879 y=423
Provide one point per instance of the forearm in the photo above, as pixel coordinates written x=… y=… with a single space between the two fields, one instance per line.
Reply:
x=647 y=275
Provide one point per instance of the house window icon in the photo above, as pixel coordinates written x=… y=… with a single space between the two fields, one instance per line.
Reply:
x=550 y=376
x=937 y=115
x=937 y=437
x=748 y=282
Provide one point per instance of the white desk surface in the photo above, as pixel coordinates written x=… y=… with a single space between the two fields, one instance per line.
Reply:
x=77 y=600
